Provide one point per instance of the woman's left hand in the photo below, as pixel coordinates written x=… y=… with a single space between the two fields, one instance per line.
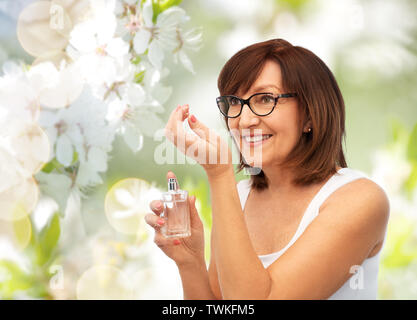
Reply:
x=205 y=146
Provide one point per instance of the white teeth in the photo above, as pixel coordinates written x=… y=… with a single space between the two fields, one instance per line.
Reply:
x=256 y=138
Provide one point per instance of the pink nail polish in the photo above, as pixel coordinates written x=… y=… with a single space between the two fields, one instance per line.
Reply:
x=177 y=242
x=193 y=118
x=160 y=221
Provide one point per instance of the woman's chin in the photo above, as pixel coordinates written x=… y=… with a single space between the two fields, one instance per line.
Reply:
x=257 y=162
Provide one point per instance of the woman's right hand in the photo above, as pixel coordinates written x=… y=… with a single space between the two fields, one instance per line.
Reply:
x=184 y=251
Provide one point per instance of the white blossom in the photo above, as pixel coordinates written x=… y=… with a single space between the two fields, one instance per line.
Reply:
x=94 y=44
x=81 y=128
x=161 y=36
x=18 y=99
x=56 y=87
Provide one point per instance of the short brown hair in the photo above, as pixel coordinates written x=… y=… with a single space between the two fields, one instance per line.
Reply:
x=319 y=98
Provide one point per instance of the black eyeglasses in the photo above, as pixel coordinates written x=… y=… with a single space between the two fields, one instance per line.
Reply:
x=260 y=104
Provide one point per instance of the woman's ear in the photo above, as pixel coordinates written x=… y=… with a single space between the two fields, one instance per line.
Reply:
x=307 y=127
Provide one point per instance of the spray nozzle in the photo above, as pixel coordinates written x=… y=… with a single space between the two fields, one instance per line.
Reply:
x=172 y=184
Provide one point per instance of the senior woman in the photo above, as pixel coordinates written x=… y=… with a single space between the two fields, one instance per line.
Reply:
x=305 y=226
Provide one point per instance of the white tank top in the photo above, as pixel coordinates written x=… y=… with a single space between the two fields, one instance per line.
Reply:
x=364 y=284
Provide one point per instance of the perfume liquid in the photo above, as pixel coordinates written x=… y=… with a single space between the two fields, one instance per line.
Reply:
x=176 y=212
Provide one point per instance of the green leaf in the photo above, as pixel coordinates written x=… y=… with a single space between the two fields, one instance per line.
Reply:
x=202 y=193
x=400 y=251
x=136 y=60
x=411 y=183
x=57 y=186
x=293 y=5
x=159 y=6
x=48 y=239
x=22 y=229
x=139 y=76
x=412 y=145
x=399 y=133
x=74 y=158
x=168 y=4
x=12 y=279
x=52 y=165
x=156 y=10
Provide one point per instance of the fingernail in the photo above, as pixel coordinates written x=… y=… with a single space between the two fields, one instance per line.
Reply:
x=177 y=242
x=159 y=206
x=193 y=118
x=160 y=221
x=178 y=108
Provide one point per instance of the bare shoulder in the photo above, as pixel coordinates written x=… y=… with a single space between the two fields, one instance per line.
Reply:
x=364 y=202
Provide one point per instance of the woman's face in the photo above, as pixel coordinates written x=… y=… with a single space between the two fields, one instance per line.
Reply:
x=283 y=124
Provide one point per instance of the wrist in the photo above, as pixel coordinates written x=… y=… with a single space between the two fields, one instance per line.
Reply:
x=192 y=265
x=220 y=173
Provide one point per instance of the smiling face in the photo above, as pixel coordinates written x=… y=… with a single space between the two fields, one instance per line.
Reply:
x=280 y=130
x=307 y=131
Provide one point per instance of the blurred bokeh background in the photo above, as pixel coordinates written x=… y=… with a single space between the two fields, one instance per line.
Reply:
x=370 y=45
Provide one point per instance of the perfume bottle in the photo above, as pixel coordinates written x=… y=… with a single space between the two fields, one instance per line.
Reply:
x=176 y=212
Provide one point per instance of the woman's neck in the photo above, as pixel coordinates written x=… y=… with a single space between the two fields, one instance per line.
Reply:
x=279 y=179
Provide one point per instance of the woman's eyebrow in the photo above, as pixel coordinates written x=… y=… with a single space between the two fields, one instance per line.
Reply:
x=266 y=87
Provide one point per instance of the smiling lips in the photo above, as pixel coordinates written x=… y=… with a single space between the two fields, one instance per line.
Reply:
x=255 y=140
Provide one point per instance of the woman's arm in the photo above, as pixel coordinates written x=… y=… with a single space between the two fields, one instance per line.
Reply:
x=240 y=272
x=194 y=279
x=212 y=271
x=195 y=282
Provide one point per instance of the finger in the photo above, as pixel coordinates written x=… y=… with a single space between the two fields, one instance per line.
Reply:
x=202 y=131
x=222 y=154
x=170 y=175
x=194 y=217
x=189 y=143
x=157 y=206
x=211 y=137
x=163 y=242
x=160 y=240
x=175 y=120
x=154 y=221
x=174 y=129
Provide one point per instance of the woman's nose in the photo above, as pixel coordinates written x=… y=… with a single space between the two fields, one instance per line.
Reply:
x=247 y=118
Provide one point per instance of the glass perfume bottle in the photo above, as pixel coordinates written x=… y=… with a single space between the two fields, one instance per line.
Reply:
x=176 y=212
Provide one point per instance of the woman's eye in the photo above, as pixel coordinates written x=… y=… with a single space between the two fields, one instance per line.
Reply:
x=267 y=99
x=234 y=101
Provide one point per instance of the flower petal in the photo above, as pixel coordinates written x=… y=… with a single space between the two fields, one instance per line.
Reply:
x=64 y=150
x=171 y=17
x=117 y=47
x=186 y=61
x=98 y=159
x=147 y=13
x=156 y=55
x=141 y=41
x=135 y=94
